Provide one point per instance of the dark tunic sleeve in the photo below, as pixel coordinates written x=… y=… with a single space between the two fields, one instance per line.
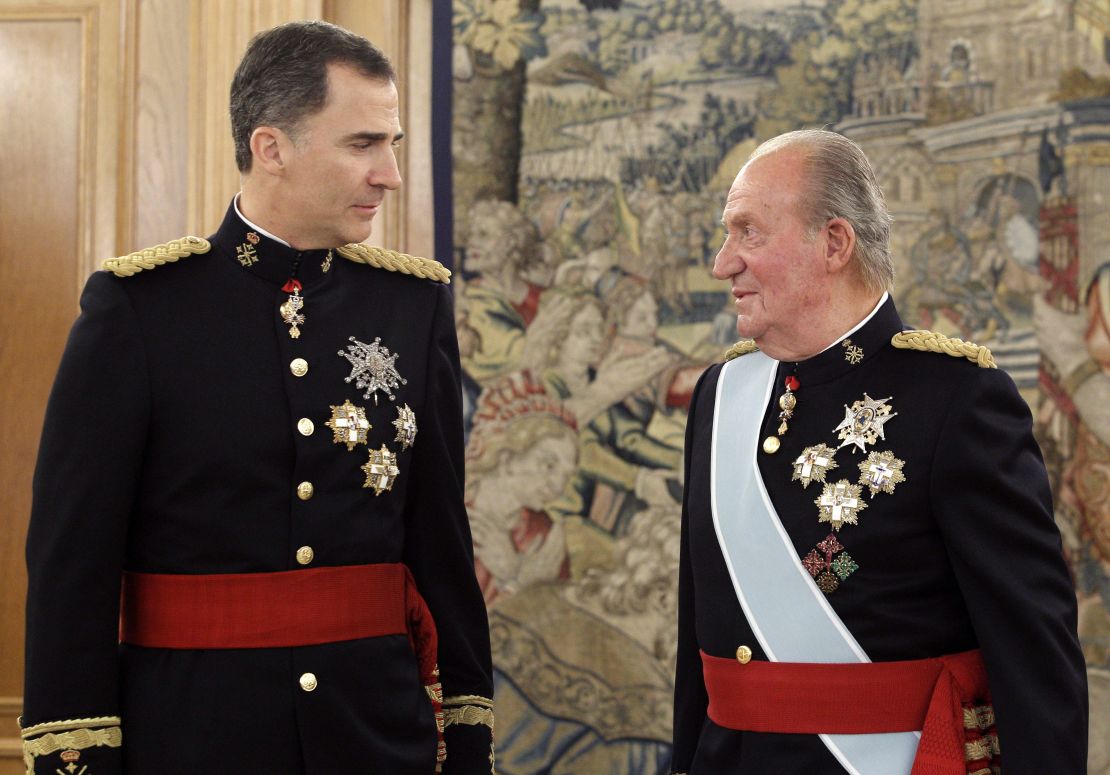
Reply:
x=85 y=482
x=994 y=508
x=438 y=550
x=690 y=698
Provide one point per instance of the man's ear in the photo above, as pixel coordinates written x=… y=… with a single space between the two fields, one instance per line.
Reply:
x=270 y=148
x=840 y=244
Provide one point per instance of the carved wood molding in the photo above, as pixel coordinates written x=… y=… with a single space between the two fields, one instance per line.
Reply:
x=11 y=746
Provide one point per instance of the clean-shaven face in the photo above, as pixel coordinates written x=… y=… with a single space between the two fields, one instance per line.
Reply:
x=343 y=161
x=776 y=268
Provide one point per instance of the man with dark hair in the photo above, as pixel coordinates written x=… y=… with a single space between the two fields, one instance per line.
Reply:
x=248 y=549
x=870 y=577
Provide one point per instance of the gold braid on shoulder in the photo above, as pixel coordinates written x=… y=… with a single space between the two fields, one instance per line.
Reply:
x=149 y=258
x=743 y=347
x=931 y=341
x=381 y=258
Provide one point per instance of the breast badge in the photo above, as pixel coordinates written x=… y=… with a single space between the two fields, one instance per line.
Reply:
x=406 y=426
x=813 y=463
x=863 y=422
x=381 y=470
x=372 y=368
x=880 y=472
x=841 y=504
x=349 y=424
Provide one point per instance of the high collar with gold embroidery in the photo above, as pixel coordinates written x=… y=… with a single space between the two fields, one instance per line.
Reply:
x=267 y=258
x=869 y=340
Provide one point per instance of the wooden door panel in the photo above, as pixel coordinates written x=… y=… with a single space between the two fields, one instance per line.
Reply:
x=40 y=122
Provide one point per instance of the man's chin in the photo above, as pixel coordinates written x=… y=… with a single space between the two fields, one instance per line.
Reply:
x=360 y=234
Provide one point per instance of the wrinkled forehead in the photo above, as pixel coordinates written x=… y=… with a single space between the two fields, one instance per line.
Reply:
x=768 y=182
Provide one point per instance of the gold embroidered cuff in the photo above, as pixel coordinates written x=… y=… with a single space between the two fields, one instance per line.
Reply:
x=470 y=709
x=985 y=747
x=70 y=735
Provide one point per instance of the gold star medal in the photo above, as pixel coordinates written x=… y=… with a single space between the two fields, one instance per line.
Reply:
x=812 y=464
x=863 y=423
x=880 y=472
x=372 y=368
x=406 y=426
x=348 y=424
x=840 y=504
x=381 y=470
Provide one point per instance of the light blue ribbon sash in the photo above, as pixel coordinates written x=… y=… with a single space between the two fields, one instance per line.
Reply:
x=790 y=616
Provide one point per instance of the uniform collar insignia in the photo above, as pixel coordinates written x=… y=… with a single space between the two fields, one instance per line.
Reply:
x=268 y=258
x=849 y=353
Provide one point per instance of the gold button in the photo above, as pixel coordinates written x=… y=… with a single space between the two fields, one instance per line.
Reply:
x=305 y=490
x=744 y=655
x=299 y=367
x=305 y=555
x=771 y=445
x=305 y=426
x=308 y=682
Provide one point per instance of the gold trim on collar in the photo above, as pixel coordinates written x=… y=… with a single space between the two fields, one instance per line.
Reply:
x=381 y=258
x=149 y=258
x=931 y=341
x=743 y=347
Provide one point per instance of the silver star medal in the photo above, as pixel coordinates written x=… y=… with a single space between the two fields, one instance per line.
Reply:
x=372 y=368
x=880 y=472
x=406 y=427
x=863 y=423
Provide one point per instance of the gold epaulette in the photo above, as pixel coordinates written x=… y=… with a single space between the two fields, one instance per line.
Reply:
x=425 y=268
x=931 y=341
x=148 y=258
x=743 y=347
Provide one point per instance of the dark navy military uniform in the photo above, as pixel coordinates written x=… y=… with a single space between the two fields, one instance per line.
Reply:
x=176 y=442
x=963 y=554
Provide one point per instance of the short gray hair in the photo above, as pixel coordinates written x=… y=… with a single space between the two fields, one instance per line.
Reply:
x=283 y=77
x=842 y=184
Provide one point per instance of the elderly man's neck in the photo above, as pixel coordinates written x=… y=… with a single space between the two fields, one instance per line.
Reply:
x=818 y=328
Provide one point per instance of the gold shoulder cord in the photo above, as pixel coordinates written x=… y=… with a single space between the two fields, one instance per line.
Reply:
x=931 y=341
x=743 y=347
x=70 y=735
x=392 y=261
x=149 y=258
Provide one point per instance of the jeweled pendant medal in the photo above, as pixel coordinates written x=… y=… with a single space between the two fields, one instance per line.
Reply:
x=787 y=402
x=291 y=309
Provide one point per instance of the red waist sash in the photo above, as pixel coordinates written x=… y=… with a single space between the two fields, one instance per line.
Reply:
x=285 y=608
x=260 y=610
x=945 y=697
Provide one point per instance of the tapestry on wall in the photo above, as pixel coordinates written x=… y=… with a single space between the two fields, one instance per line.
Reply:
x=593 y=143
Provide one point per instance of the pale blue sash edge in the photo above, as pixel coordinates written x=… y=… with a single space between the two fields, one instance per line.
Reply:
x=765 y=569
